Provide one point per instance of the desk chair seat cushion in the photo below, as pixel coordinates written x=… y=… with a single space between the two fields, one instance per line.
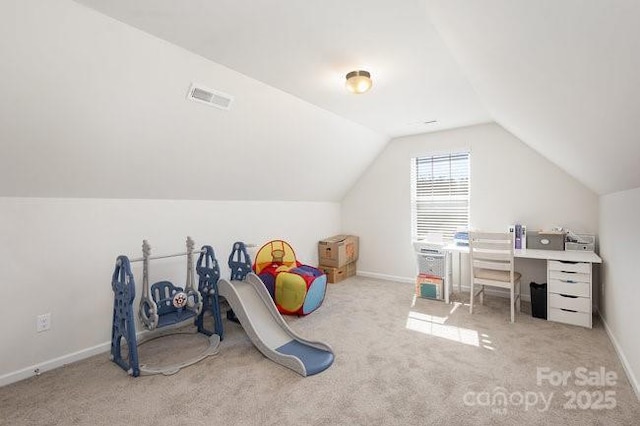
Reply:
x=491 y=274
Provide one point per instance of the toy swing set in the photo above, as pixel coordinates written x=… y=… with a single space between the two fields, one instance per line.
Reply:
x=165 y=308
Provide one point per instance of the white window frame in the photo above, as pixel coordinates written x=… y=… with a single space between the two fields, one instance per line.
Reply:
x=440 y=181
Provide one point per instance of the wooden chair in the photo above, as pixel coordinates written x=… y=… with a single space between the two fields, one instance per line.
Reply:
x=491 y=256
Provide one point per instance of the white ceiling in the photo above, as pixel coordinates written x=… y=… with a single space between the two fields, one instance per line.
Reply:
x=560 y=75
x=306 y=48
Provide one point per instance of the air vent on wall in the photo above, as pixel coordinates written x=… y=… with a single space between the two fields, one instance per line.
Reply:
x=210 y=97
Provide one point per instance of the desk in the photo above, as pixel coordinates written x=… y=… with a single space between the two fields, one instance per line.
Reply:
x=564 y=303
x=560 y=255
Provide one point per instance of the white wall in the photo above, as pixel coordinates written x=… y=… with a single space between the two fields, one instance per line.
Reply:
x=91 y=107
x=58 y=256
x=509 y=182
x=619 y=236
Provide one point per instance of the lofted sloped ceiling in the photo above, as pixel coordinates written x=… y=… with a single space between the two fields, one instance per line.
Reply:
x=560 y=75
x=92 y=107
x=563 y=76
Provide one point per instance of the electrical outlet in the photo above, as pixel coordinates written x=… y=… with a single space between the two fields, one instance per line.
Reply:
x=43 y=322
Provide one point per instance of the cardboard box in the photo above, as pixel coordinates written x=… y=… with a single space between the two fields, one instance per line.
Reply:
x=335 y=275
x=350 y=269
x=338 y=250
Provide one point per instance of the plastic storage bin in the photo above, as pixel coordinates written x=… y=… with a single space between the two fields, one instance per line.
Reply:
x=431 y=264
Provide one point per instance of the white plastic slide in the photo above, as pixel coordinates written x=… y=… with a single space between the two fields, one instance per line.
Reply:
x=264 y=325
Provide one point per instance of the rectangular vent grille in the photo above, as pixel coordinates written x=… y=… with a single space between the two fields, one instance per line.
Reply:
x=210 y=97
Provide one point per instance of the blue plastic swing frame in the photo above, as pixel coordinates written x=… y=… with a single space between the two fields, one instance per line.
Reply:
x=124 y=290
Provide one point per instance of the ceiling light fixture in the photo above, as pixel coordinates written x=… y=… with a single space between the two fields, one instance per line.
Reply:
x=358 y=81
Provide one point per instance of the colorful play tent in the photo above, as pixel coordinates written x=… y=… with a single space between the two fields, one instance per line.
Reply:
x=295 y=288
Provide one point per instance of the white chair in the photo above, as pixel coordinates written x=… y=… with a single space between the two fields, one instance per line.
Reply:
x=491 y=256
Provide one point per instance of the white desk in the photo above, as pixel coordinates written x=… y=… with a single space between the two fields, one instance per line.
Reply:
x=582 y=257
x=561 y=255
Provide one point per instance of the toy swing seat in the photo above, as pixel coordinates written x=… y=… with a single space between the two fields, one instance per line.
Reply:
x=295 y=288
x=170 y=303
x=164 y=308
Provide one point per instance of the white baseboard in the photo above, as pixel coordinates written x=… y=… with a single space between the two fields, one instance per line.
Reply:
x=465 y=289
x=51 y=364
x=623 y=359
x=61 y=361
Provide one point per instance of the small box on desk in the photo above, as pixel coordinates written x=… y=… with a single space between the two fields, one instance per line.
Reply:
x=429 y=287
x=338 y=250
x=539 y=240
x=335 y=275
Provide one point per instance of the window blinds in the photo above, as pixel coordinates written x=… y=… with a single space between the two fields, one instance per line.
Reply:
x=440 y=194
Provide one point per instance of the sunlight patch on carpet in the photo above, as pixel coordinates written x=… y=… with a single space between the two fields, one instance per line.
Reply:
x=435 y=326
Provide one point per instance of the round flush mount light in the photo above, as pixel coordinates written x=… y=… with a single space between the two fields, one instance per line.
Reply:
x=358 y=81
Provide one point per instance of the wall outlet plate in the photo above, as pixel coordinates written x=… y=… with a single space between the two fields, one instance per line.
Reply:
x=43 y=322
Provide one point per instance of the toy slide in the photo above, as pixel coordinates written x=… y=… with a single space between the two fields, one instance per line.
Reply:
x=260 y=319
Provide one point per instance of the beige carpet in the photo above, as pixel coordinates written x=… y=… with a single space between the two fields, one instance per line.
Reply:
x=395 y=364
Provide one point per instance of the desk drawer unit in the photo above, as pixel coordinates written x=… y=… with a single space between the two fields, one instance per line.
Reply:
x=569 y=288
x=570 y=317
x=569 y=295
x=572 y=303
x=556 y=265
x=570 y=277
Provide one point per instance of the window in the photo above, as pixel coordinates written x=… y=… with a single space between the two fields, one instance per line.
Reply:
x=440 y=194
